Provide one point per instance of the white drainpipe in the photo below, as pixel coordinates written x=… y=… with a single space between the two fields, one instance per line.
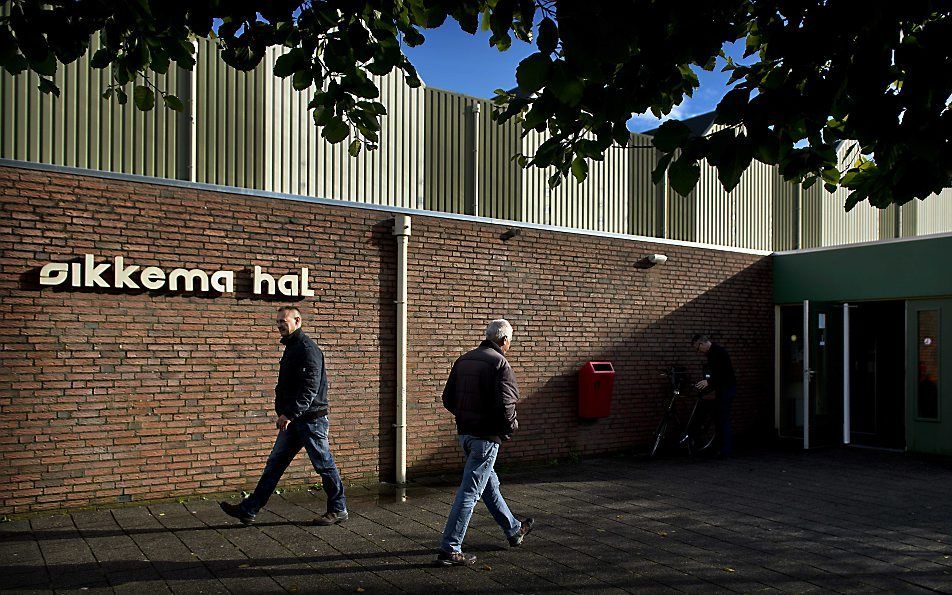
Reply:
x=401 y=229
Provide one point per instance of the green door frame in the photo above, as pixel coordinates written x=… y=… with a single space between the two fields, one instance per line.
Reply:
x=928 y=434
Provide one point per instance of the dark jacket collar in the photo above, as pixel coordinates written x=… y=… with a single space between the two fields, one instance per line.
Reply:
x=294 y=337
x=488 y=343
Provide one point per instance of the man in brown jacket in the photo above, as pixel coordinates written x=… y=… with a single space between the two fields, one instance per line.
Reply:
x=482 y=393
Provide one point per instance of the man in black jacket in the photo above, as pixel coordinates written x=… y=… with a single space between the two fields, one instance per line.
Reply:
x=719 y=377
x=300 y=401
x=482 y=393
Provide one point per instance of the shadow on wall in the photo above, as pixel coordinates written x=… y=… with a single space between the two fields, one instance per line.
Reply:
x=649 y=328
x=387 y=337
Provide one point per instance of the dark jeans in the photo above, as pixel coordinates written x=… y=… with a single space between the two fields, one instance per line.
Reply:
x=312 y=436
x=723 y=416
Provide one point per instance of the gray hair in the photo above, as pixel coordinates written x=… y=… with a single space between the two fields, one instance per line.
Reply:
x=498 y=330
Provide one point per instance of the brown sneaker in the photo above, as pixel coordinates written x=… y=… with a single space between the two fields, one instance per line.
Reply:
x=331 y=518
x=455 y=559
x=525 y=529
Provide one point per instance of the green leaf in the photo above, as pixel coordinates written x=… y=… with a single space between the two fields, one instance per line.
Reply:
x=302 y=80
x=45 y=67
x=831 y=175
x=336 y=130
x=174 y=103
x=121 y=97
x=160 y=62
x=684 y=174
x=730 y=110
x=657 y=175
x=753 y=44
x=143 y=97
x=567 y=88
x=548 y=38
x=290 y=63
x=768 y=151
x=139 y=57
x=671 y=136
x=354 y=148
x=580 y=169
x=531 y=74
x=102 y=58
x=47 y=86
x=854 y=198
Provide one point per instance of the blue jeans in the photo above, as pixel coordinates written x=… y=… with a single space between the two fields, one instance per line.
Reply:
x=312 y=436
x=479 y=481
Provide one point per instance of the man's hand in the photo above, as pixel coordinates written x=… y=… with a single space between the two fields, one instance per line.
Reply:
x=283 y=423
x=701 y=385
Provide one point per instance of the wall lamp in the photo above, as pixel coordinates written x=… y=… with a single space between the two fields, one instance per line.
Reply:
x=651 y=260
x=513 y=232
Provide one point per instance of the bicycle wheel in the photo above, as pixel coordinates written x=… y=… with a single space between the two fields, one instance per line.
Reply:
x=658 y=438
x=703 y=436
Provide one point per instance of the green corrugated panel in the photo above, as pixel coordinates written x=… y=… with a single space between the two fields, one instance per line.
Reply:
x=909 y=222
x=888 y=222
x=299 y=161
x=786 y=218
x=645 y=199
x=500 y=177
x=600 y=203
x=934 y=214
x=447 y=178
x=811 y=219
x=754 y=199
x=228 y=129
x=81 y=129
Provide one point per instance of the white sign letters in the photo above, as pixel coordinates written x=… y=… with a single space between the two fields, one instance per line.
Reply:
x=121 y=275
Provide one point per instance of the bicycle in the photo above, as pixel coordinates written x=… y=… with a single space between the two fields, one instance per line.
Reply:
x=698 y=434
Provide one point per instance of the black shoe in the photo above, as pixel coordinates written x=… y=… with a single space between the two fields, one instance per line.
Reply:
x=236 y=511
x=525 y=529
x=455 y=559
x=331 y=518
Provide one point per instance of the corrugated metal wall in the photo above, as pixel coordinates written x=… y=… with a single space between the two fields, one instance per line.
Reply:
x=449 y=167
x=838 y=226
x=253 y=130
x=745 y=216
x=80 y=129
x=934 y=214
x=786 y=207
x=716 y=211
x=447 y=149
x=230 y=120
x=599 y=204
x=298 y=160
x=646 y=201
x=500 y=177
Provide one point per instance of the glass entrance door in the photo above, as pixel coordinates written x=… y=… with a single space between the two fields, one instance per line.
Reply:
x=789 y=362
x=823 y=394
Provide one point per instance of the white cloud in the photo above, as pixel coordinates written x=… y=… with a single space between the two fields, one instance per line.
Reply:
x=647 y=120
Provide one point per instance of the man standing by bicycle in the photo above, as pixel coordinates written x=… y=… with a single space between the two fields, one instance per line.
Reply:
x=719 y=377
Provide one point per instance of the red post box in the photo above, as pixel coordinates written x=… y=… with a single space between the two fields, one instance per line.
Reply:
x=595 y=383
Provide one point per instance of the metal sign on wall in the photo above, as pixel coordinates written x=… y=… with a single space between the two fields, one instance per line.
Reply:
x=87 y=274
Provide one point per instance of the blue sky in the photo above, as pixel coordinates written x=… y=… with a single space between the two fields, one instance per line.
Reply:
x=454 y=60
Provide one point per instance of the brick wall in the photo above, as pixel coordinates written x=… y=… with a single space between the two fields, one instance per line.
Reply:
x=109 y=395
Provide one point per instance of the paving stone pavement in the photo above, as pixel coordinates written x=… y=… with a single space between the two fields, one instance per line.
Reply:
x=842 y=520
